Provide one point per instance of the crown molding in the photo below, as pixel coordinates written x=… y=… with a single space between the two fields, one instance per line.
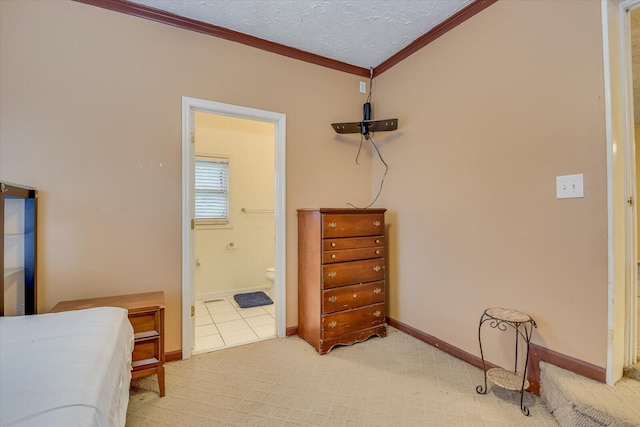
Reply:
x=439 y=30
x=164 y=17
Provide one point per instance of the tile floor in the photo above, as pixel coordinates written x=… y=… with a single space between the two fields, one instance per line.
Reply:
x=221 y=323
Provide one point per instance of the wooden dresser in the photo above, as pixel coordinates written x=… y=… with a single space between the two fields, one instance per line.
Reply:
x=146 y=314
x=341 y=276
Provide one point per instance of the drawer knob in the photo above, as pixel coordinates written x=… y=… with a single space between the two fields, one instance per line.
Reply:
x=355 y=295
x=332 y=274
x=332 y=225
x=377 y=313
x=333 y=298
x=377 y=268
x=377 y=291
x=377 y=252
x=377 y=240
x=333 y=256
x=333 y=244
x=332 y=324
x=376 y=223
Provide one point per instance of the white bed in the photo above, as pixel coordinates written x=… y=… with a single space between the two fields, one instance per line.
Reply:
x=65 y=369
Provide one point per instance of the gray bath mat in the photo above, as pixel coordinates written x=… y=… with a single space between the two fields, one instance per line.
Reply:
x=252 y=299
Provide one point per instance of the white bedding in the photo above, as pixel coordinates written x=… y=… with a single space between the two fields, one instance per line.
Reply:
x=65 y=369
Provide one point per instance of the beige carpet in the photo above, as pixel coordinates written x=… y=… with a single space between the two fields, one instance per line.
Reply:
x=580 y=402
x=394 y=381
x=632 y=371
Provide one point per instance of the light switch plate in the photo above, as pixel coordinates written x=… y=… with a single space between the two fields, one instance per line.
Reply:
x=569 y=186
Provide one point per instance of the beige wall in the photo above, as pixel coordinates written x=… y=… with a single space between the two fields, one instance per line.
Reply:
x=234 y=257
x=489 y=115
x=90 y=102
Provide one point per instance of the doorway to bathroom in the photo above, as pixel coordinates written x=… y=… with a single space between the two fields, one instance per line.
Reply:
x=234 y=231
x=233 y=235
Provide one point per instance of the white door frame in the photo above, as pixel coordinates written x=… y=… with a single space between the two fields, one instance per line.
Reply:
x=190 y=105
x=621 y=186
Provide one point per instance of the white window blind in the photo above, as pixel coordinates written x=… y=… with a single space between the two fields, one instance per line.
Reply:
x=212 y=190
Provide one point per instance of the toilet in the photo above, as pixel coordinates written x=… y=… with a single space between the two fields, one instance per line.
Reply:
x=271 y=277
x=271 y=274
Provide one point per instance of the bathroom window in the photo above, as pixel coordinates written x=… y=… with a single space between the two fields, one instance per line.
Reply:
x=212 y=190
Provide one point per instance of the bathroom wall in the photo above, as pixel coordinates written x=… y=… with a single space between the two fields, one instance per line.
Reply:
x=233 y=258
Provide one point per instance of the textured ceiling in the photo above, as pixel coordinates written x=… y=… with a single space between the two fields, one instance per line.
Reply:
x=360 y=32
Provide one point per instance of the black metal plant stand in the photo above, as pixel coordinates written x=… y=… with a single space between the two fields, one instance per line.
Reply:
x=523 y=324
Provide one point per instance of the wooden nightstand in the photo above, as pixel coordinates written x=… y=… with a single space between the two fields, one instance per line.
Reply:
x=146 y=314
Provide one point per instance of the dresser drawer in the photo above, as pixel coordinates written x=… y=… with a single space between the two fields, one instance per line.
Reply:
x=352 y=254
x=349 y=273
x=146 y=352
x=353 y=225
x=345 y=322
x=352 y=243
x=145 y=323
x=353 y=296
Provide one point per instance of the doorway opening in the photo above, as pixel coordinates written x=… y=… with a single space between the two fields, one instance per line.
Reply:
x=634 y=33
x=233 y=233
x=621 y=187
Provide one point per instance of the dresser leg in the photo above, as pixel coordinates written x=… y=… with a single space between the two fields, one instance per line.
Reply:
x=161 y=380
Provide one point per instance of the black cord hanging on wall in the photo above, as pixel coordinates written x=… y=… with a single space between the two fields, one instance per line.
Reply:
x=366 y=128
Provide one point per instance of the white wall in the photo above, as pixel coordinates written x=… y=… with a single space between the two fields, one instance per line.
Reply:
x=234 y=258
